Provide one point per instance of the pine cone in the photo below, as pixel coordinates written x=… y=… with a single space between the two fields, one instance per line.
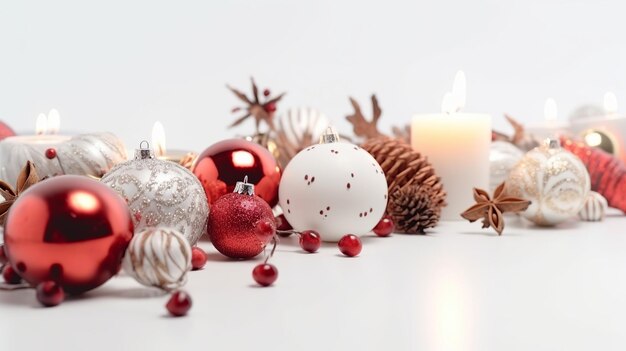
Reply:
x=415 y=208
x=404 y=167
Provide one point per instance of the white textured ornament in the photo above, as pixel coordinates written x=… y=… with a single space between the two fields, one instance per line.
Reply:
x=161 y=194
x=335 y=188
x=594 y=208
x=85 y=154
x=554 y=180
x=503 y=156
x=159 y=257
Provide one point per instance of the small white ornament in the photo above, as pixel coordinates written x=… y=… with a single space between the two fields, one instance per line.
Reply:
x=335 y=188
x=594 y=208
x=554 y=180
x=161 y=193
x=503 y=156
x=159 y=257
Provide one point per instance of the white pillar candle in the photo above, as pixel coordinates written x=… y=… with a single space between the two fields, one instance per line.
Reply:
x=457 y=145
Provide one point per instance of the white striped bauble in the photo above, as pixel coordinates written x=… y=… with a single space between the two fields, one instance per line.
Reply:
x=159 y=257
x=594 y=208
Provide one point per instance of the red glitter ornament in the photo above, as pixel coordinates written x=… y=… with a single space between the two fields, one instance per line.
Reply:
x=606 y=172
x=198 y=258
x=50 y=293
x=68 y=229
x=350 y=245
x=179 y=304
x=385 y=227
x=233 y=225
x=221 y=165
x=51 y=153
x=310 y=241
x=10 y=276
x=265 y=274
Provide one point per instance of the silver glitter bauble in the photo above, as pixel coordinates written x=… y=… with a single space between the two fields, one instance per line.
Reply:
x=159 y=257
x=554 y=180
x=161 y=194
x=594 y=208
x=85 y=154
x=503 y=156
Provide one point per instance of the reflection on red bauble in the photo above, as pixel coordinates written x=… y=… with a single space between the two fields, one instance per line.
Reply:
x=5 y=131
x=68 y=229
x=225 y=163
x=234 y=225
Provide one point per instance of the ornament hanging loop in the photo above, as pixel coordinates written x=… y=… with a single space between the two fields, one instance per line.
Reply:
x=329 y=136
x=144 y=152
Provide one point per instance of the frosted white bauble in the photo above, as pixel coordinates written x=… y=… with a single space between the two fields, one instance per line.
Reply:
x=159 y=257
x=503 y=156
x=334 y=188
x=554 y=180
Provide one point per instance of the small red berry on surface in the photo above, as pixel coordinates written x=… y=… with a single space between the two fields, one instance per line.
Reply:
x=50 y=293
x=350 y=245
x=10 y=275
x=198 y=258
x=385 y=227
x=310 y=241
x=51 y=153
x=265 y=274
x=179 y=303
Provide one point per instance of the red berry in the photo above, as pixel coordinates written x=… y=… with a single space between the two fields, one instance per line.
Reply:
x=3 y=256
x=384 y=227
x=265 y=274
x=51 y=153
x=266 y=92
x=270 y=107
x=10 y=275
x=50 y=293
x=179 y=303
x=350 y=245
x=265 y=229
x=198 y=258
x=310 y=241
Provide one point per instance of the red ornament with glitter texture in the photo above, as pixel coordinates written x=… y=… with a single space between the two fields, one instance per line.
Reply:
x=235 y=222
x=607 y=173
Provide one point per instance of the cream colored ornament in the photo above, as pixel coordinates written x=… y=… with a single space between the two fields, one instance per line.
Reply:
x=159 y=257
x=503 y=156
x=335 y=188
x=594 y=208
x=554 y=180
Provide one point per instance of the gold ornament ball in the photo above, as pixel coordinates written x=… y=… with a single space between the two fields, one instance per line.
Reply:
x=554 y=180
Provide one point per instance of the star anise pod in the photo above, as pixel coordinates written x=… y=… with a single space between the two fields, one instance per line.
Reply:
x=260 y=110
x=491 y=210
x=27 y=177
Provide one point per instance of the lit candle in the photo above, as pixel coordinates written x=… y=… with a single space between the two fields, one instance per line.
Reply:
x=184 y=157
x=457 y=145
x=551 y=127
x=55 y=154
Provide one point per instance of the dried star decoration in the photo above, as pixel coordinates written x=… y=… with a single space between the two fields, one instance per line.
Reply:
x=259 y=110
x=360 y=125
x=28 y=176
x=491 y=210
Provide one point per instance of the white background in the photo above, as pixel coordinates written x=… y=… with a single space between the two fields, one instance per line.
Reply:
x=121 y=65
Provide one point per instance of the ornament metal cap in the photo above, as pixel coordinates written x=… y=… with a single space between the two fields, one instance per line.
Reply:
x=144 y=152
x=551 y=143
x=244 y=187
x=329 y=136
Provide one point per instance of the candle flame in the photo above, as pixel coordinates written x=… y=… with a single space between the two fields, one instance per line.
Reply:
x=610 y=102
x=54 y=121
x=41 y=124
x=158 y=139
x=593 y=139
x=459 y=90
x=447 y=103
x=549 y=110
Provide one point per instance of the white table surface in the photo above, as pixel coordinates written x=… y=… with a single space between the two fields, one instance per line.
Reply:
x=458 y=288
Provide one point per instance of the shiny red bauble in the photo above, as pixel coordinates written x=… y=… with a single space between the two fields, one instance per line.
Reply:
x=233 y=225
x=69 y=229
x=385 y=227
x=5 y=131
x=50 y=293
x=10 y=276
x=310 y=241
x=265 y=274
x=350 y=245
x=198 y=258
x=225 y=163
x=179 y=303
